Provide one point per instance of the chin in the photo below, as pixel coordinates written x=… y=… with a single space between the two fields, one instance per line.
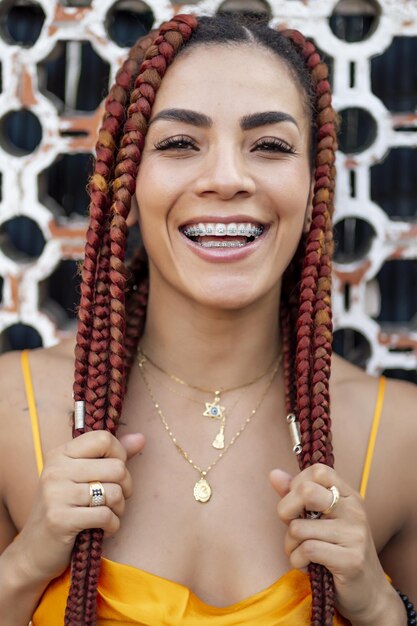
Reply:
x=224 y=298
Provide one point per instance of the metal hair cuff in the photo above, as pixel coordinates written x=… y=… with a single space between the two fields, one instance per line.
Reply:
x=79 y=414
x=295 y=435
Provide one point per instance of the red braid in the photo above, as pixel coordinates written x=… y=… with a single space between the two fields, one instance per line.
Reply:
x=111 y=324
x=104 y=343
x=91 y=351
x=310 y=377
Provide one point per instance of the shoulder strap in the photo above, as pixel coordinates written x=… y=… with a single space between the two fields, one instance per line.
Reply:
x=372 y=437
x=32 y=410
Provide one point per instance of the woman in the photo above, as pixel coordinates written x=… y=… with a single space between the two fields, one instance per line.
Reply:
x=234 y=198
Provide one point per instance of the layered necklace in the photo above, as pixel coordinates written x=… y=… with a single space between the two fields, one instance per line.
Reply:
x=202 y=489
x=214 y=409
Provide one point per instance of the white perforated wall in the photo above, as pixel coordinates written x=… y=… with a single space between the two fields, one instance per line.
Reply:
x=73 y=133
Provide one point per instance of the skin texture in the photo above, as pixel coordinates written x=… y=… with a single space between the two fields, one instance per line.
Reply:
x=214 y=325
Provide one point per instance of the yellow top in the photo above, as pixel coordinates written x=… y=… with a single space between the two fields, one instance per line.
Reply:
x=127 y=595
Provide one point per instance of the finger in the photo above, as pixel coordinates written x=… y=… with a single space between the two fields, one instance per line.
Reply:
x=315 y=551
x=93 y=517
x=133 y=444
x=102 y=470
x=322 y=475
x=95 y=445
x=330 y=531
x=113 y=494
x=281 y=481
x=308 y=496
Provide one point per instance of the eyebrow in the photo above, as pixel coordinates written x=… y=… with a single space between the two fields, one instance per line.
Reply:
x=247 y=122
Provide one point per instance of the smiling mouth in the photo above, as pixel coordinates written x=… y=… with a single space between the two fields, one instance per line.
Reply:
x=219 y=235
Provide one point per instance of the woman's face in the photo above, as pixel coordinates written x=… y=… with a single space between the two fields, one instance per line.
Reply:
x=224 y=184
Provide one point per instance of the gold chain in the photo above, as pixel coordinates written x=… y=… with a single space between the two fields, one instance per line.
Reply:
x=142 y=354
x=213 y=409
x=202 y=489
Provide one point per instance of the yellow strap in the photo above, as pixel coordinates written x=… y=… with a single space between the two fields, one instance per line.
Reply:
x=32 y=410
x=372 y=437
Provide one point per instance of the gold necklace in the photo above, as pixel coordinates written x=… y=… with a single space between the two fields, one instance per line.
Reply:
x=202 y=488
x=214 y=410
x=218 y=442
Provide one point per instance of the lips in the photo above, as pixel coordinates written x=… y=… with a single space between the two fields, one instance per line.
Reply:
x=223 y=235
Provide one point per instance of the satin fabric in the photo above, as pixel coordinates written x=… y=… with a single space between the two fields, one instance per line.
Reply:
x=127 y=595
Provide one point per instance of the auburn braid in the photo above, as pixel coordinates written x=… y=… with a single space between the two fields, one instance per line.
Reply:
x=104 y=356
x=93 y=334
x=314 y=323
x=136 y=303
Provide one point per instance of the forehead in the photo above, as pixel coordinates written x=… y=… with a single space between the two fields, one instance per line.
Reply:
x=234 y=79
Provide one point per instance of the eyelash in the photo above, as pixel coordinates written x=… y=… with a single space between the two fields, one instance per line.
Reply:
x=176 y=143
x=185 y=143
x=273 y=145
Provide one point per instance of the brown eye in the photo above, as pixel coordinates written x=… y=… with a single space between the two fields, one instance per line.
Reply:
x=176 y=143
x=273 y=145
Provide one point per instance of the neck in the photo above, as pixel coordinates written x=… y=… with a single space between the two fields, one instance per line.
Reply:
x=211 y=348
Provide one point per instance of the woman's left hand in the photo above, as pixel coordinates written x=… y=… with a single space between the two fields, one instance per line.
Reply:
x=341 y=541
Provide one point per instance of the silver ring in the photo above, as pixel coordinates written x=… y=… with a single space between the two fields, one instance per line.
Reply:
x=335 y=499
x=97 y=494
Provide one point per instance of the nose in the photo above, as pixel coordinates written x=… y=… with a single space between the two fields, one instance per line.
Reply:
x=225 y=173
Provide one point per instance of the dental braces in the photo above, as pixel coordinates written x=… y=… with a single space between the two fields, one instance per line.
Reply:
x=222 y=244
x=220 y=230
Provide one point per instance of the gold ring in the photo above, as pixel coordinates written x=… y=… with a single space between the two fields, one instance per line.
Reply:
x=335 y=499
x=97 y=494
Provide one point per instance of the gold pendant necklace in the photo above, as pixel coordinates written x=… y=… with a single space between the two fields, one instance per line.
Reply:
x=202 y=489
x=214 y=410
x=217 y=412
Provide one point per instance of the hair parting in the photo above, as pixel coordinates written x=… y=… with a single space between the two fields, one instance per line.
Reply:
x=112 y=309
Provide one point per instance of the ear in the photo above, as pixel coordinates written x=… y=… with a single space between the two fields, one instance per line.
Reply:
x=132 y=218
x=309 y=208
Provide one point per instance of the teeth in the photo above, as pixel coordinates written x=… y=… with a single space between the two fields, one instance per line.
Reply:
x=222 y=244
x=221 y=230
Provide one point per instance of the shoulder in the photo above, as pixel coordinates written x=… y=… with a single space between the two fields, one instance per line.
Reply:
x=394 y=460
x=51 y=372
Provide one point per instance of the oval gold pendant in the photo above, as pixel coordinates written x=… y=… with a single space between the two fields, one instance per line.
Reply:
x=202 y=490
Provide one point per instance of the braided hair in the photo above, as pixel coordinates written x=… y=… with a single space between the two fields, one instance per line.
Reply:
x=113 y=300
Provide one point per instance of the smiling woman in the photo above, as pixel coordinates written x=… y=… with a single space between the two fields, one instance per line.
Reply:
x=219 y=138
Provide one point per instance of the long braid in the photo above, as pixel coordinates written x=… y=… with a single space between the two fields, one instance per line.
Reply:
x=136 y=302
x=314 y=324
x=93 y=334
x=114 y=336
x=105 y=286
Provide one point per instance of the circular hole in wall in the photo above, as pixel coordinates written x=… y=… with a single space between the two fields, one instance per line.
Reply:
x=352 y=345
x=75 y=75
x=20 y=337
x=356 y=20
x=21 y=22
x=257 y=10
x=20 y=132
x=61 y=290
x=357 y=131
x=353 y=239
x=394 y=78
x=397 y=285
x=65 y=181
x=394 y=183
x=129 y=20
x=21 y=239
x=410 y=375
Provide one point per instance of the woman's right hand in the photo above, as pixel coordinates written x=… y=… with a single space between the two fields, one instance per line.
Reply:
x=61 y=506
